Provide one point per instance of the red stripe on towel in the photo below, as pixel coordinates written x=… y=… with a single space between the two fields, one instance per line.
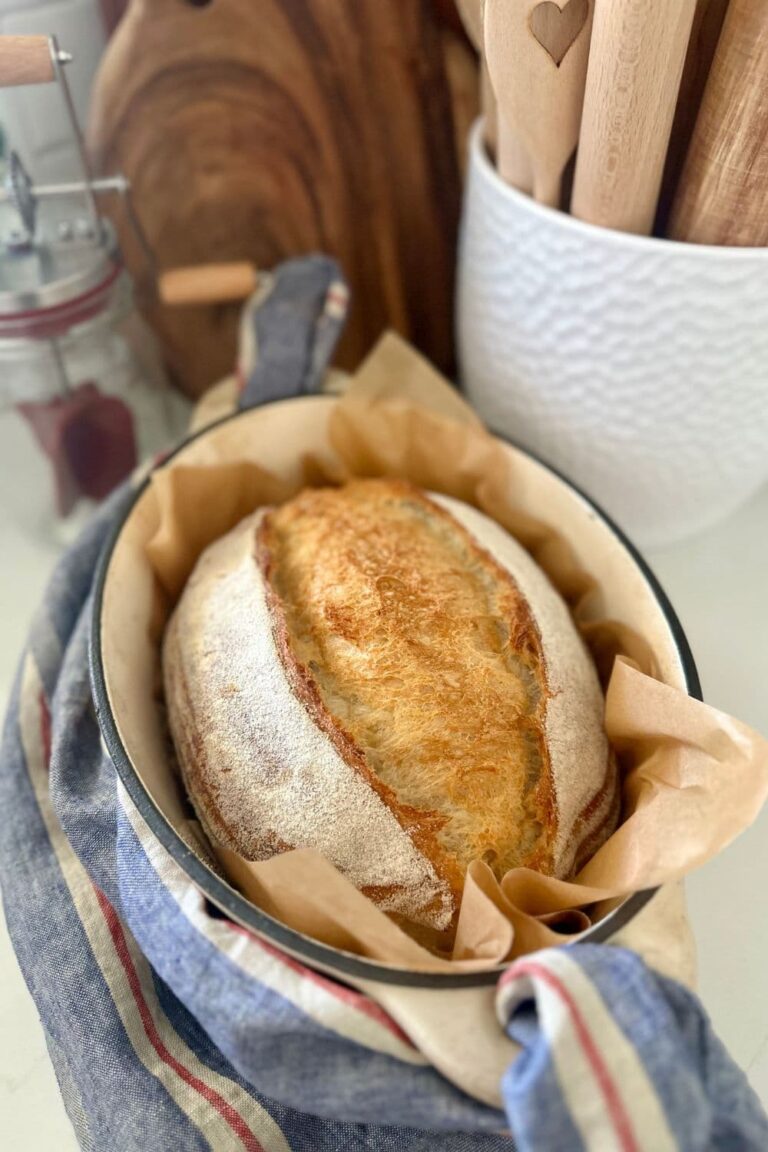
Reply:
x=611 y=1095
x=233 y=1118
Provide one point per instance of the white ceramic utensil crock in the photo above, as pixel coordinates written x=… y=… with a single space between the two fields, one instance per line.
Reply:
x=638 y=367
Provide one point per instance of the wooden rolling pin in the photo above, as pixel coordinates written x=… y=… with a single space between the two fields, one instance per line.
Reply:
x=635 y=66
x=707 y=25
x=25 y=60
x=721 y=198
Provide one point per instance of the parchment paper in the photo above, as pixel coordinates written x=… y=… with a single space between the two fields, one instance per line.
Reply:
x=693 y=777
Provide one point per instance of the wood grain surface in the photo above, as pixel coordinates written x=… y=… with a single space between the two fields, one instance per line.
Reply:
x=208 y=283
x=721 y=198
x=556 y=28
x=256 y=130
x=636 y=64
x=707 y=25
x=512 y=158
x=471 y=14
x=25 y=60
x=111 y=13
x=537 y=60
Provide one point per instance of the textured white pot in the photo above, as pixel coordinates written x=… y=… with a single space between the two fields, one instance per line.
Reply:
x=638 y=367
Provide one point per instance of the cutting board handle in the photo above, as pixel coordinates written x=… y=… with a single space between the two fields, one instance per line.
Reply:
x=208 y=283
x=25 y=60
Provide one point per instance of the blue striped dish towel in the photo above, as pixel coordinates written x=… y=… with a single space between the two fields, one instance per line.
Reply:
x=171 y=1028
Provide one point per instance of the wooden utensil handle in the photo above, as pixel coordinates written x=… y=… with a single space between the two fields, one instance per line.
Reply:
x=707 y=25
x=208 y=283
x=635 y=67
x=503 y=146
x=25 y=60
x=511 y=157
x=512 y=160
x=488 y=108
x=721 y=195
x=537 y=60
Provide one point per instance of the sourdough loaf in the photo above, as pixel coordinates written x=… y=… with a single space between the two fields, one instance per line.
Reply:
x=386 y=676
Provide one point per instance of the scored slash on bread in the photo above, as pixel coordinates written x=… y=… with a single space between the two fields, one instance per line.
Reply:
x=386 y=676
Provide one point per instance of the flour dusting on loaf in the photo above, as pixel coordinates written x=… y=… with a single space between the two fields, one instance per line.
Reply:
x=261 y=775
x=387 y=677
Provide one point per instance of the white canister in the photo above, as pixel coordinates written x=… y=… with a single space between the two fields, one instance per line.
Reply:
x=636 y=366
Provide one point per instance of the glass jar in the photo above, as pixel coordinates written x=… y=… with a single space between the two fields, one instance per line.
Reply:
x=83 y=398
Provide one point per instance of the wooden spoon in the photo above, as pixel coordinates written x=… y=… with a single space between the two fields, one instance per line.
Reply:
x=537 y=59
x=472 y=18
x=721 y=198
x=515 y=166
x=635 y=66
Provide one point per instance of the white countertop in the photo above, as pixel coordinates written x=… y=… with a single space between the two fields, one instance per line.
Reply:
x=718 y=584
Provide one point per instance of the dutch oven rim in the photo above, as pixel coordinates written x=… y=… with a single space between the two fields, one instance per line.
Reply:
x=218 y=891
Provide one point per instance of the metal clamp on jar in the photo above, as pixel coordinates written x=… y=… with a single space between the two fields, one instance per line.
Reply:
x=82 y=396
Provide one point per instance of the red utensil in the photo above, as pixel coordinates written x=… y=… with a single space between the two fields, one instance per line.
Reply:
x=89 y=439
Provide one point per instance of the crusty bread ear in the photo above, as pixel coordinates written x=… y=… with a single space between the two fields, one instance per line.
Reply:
x=387 y=677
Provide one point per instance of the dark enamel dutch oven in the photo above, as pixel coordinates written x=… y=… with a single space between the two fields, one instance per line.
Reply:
x=461 y=1038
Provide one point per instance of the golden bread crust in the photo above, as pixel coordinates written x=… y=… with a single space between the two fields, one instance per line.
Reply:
x=388 y=678
x=417 y=655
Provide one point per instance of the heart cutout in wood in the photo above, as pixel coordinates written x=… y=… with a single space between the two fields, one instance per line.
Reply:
x=557 y=29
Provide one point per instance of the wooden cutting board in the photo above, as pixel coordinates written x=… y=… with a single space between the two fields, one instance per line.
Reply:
x=262 y=129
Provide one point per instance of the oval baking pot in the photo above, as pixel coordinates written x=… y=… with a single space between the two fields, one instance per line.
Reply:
x=121 y=656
